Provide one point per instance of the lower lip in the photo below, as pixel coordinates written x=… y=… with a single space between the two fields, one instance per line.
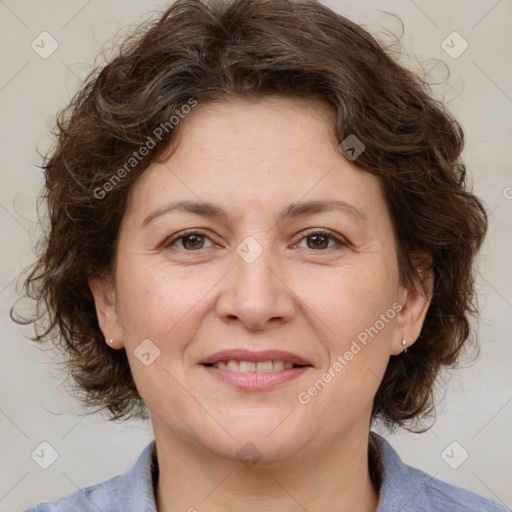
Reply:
x=254 y=380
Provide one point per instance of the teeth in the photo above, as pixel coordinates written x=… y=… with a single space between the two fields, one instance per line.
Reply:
x=265 y=366
x=233 y=366
x=251 y=367
x=278 y=365
x=246 y=366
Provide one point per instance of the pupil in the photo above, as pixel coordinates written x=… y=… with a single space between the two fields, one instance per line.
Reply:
x=195 y=240
x=319 y=239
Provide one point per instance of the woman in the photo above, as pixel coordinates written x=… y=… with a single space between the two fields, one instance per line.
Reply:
x=261 y=239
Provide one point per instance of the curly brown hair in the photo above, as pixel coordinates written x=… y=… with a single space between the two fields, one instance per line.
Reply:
x=247 y=49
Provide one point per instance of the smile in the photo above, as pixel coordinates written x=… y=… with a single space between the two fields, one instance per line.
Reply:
x=233 y=365
x=253 y=376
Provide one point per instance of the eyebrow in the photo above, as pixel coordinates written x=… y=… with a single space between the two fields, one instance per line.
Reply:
x=297 y=209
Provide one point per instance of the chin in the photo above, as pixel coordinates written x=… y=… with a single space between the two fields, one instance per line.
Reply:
x=260 y=437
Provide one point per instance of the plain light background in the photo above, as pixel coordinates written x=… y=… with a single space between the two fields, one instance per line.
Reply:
x=34 y=405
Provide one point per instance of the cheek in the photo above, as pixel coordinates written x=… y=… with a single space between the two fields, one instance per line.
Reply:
x=162 y=305
x=347 y=300
x=156 y=300
x=366 y=323
x=354 y=320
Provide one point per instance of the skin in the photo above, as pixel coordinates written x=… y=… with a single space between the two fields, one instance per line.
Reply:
x=254 y=158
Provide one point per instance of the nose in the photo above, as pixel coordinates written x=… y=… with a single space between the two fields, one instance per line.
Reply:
x=255 y=292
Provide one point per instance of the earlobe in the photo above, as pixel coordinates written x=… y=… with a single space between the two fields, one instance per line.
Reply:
x=104 y=299
x=415 y=303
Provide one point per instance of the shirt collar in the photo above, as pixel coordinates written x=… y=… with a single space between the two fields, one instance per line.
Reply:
x=136 y=488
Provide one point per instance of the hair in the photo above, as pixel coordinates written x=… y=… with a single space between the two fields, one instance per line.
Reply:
x=248 y=49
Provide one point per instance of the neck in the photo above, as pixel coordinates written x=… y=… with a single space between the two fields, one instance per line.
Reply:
x=336 y=479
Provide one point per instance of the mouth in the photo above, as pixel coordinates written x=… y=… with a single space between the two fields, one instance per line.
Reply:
x=232 y=365
x=249 y=370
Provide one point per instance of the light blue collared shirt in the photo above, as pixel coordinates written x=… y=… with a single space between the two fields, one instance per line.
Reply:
x=403 y=489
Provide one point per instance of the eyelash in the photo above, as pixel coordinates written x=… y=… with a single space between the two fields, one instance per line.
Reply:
x=325 y=232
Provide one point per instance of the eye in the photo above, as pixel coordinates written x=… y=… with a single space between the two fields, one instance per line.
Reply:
x=320 y=239
x=191 y=240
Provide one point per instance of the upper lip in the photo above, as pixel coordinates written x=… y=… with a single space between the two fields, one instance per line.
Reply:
x=248 y=355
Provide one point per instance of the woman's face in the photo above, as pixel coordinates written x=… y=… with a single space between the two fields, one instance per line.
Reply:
x=262 y=277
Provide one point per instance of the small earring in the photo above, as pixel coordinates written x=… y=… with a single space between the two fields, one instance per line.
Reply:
x=111 y=340
x=404 y=344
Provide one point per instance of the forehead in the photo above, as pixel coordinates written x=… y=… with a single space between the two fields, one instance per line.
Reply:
x=276 y=121
x=257 y=154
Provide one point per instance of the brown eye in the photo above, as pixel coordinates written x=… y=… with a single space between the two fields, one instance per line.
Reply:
x=319 y=241
x=192 y=241
x=188 y=241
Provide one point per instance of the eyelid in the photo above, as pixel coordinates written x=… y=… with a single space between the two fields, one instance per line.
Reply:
x=182 y=234
x=340 y=241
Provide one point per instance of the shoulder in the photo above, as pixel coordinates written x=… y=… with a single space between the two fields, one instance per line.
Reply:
x=441 y=494
x=411 y=490
x=132 y=491
x=87 y=498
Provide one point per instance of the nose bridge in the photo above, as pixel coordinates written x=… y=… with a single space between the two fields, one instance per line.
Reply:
x=252 y=265
x=255 y=293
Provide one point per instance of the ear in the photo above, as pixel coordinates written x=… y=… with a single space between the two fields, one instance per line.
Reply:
x=103 y=292
x=415 y=300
